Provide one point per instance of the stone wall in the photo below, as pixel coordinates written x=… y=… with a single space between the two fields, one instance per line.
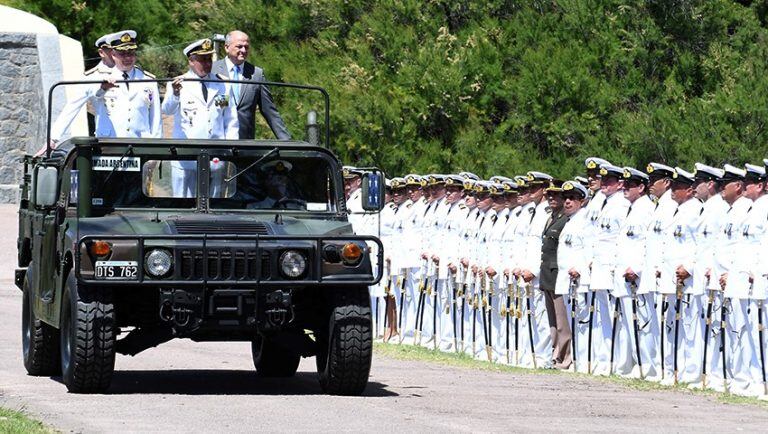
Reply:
x=22 y=108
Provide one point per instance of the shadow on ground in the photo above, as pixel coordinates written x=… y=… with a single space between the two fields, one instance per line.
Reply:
x=222 y=382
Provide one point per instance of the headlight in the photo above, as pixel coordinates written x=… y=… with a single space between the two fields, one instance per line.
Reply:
x=293 y=264
x=158 y=263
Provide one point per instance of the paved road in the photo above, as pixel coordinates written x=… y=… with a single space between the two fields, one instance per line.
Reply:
x=182 y=386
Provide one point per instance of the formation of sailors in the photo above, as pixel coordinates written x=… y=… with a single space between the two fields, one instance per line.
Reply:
x=653 y=274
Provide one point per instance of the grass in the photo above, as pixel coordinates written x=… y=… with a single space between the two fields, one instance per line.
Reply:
x=12 y=422
x=410 y=352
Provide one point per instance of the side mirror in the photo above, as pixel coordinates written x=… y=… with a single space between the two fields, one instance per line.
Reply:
x=373 y=190
x=46 y=186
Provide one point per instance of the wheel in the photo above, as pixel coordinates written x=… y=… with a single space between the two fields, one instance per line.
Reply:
x=273 y=360
x=345 y=349
x=87 y=338
x=40 y=341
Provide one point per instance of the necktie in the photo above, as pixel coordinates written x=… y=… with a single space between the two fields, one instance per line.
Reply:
x=236 y=86
x=125 y=77
x=205 y=91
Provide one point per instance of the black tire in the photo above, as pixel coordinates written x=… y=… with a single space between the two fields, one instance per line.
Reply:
x=40 y=341
x=273 y=360
x=87 y=338
x=346 y=348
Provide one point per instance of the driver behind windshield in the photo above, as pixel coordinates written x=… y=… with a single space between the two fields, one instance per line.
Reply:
x=276 y=184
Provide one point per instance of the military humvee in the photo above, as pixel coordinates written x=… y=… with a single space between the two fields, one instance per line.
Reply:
x=128 y=243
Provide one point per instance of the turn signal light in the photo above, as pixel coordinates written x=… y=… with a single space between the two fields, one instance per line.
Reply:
x=100 y=248
x=351 y=253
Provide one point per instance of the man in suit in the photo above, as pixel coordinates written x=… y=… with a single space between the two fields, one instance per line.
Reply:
x=248 y=97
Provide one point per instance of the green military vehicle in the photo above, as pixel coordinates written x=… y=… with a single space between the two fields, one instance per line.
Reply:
x=128 y=243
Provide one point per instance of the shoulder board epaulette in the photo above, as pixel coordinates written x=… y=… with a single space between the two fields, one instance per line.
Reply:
x=409 y=205
x=462 y=206
x=494 y=217
x=148 y=74
x=392 y=205
x=531 y=210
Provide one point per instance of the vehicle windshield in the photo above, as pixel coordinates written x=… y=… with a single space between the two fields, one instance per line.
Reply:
x=281 y=182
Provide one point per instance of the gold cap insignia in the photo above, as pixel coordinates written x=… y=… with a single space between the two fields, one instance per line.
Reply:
x=649 y=169
x=207 y=45
x=530 y=177
x=125 y=38
x=627 y=174
x=674 y=175
x=603 y=171
x=467 y=185
x=449 y=181
x=591 y=165
x=567 y=186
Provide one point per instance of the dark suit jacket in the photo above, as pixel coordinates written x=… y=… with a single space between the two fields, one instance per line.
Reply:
x=549 y=240
x=251 y=97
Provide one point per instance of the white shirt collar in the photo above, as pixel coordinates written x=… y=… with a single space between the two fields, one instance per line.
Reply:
x=231 y=66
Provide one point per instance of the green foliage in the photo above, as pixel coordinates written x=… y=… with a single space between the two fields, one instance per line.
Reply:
x=497 y=87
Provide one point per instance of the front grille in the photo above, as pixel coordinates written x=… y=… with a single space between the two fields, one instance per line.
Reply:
x=185 y=227
x=224 y=264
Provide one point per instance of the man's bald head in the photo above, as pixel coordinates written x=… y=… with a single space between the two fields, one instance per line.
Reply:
x=237 y=46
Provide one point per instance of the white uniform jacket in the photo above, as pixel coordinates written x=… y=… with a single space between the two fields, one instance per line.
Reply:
x=606 y=233
x=654 y=241
x=729 y=242
x=197 y=118
x=630 y=245
x=531 y=260
x=573 y=252
x=712 y=217
x=680 y=246
x=79 y=94
x=128 y=110
x=751 y=260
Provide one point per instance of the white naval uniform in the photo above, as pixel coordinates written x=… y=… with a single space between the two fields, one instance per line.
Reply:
x=744 y=345
x=449 y=248
x=604 y=253
x=197 y=118
x=631 y=256
x=649 y=303
x=728 y=244
x=531 y=260
x=387 y=217
x=574 y=253
x=412 y=244
x=81 y=95
x=680 y=250
x=468 y=246
x=490 y=288
x=434 y=219
x=130 y=109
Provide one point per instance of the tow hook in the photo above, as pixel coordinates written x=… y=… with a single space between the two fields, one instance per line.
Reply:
x=279 y=309
x=178 y=307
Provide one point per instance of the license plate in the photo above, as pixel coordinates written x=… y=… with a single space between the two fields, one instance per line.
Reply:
x=117 y=270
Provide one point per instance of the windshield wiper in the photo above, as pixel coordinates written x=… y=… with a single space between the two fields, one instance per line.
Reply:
x=119 y=162
x=264 y=157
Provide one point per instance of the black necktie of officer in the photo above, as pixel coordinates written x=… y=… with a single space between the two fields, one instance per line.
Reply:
x=205 y=91
x=125 y=77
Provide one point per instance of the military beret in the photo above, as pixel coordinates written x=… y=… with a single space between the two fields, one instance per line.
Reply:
x=658 y=170
x=454 y=179
x=731 y=173
x=707 y=173
x=200 y=47
x=123 y=40
x=594 y=163
x=632 y=174
x=104 y=41
x=397 y=183
x=469 y=175
x=683 y=177
x=538 y=178
x=413 y=179
x=611 y=170
x=575 y=186
x=754 y=173
x=581 y=180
